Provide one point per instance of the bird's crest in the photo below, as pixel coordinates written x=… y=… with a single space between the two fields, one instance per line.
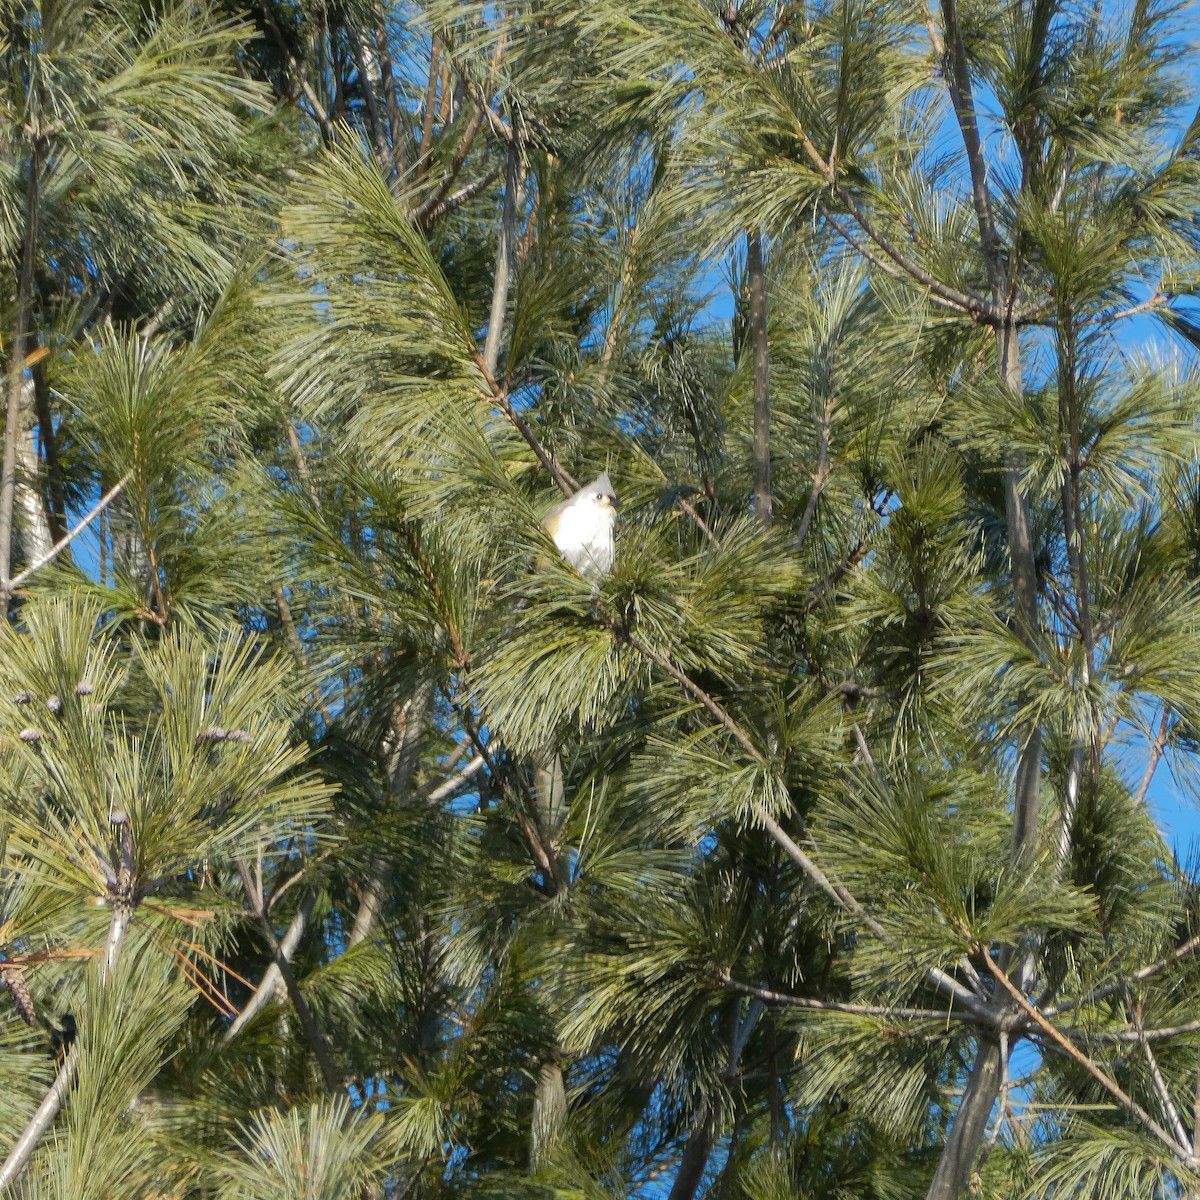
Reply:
x=601 y=486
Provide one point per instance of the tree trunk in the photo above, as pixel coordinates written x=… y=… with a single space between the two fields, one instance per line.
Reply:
x=548 y=792
x=16 y=376
x=49 y=436
x=550 y=1099
x=408 y=727
x=504 y=251
x=762 y=378
x=33 y=528
x=395 y=122
x=983 y=1086
x=549 y=1112
x=369 y=79
x=695 y=1156
x=957 y=1161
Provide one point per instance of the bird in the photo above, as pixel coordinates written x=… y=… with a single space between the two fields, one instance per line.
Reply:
x=582 y=528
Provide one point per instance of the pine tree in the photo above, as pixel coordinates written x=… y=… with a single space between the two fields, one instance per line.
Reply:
x=353 y=844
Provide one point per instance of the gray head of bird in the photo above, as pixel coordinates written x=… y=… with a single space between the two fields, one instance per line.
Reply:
x=597 y=500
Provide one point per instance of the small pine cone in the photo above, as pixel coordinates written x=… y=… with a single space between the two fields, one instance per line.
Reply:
x=55 y=705
x=214 y=733
x=18 y=989
x=31 y=734
x=22 y=697
x=238 y=735
x=83 y=688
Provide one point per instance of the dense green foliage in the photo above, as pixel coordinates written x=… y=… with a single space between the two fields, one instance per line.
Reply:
x=353 y=845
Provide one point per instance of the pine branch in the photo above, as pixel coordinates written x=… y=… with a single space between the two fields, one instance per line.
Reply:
x=566 y=483
x=865 y=1010
x=273 y=977
x=11 y=586
x=1066 y=1046
x=962 y=99
x=968 y=302
x=1139 y=976
x=41 y=1121
x=312 y=1033
x=840 y=896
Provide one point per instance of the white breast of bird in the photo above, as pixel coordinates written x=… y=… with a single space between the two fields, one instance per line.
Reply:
x=584 y=537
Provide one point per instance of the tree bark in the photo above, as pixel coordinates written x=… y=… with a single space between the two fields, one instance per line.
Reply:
x=16 y=375
x=430 y=107
x=272 y=978
x=762 y=380
x=953 y=1174
x=504 y=251
x=549 y=1112
x=34 y=526
x=1024 y=578
x=369 y=77
x=983 y=1086
x=550 y=1099
x=395 y=122
x=308 y=1022
x=408 y=728
x=695 y=1156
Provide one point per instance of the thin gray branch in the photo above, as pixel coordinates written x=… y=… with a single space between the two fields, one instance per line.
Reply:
x=59 y=546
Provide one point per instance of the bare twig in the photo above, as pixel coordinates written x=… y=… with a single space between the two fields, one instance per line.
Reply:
x=59 y=546
x=451 y=785
x=429 y=106
x=474 y=124
x=308 y=1022
x=969 y=302
x=866 y=1010
x=273 y=977
x=156 y=320
x=566 y=484
x=1156 y=752
x=888 y=268
x=504 y=256
x=1142 y=973
x=700 y=523
x=1156 y=301
x=467 y=192
x=1063 y=1043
